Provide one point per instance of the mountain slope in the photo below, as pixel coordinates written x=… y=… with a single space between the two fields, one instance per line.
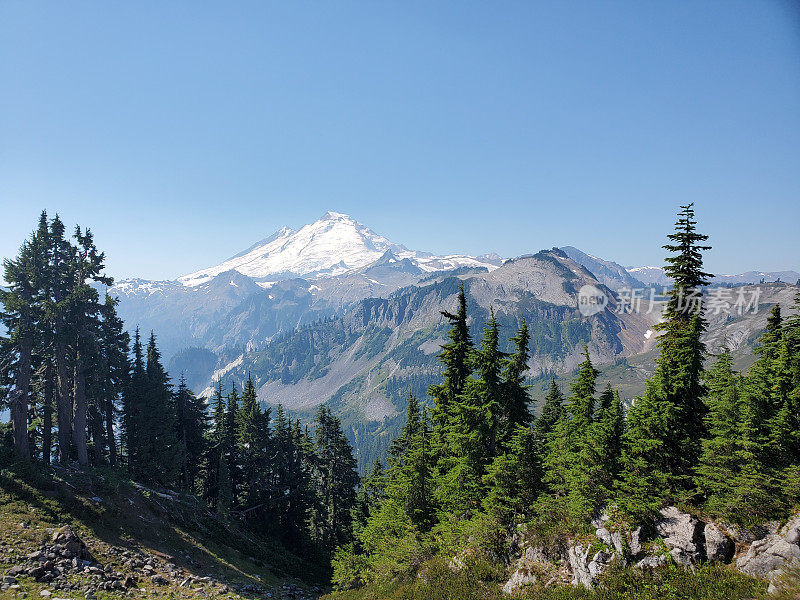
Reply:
x=614 y=275
x=80 y=535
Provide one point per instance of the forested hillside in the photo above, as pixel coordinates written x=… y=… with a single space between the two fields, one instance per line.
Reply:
x=690 y=490
x=84 y=397
x=479 y=495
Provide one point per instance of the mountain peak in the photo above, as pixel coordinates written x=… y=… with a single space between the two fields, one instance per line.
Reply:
x=336 y=216
x=332 y=245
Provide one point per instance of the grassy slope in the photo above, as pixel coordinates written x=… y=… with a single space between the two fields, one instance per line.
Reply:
x=128 y=518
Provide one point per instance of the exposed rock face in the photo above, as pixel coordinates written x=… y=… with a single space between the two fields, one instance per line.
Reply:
x=519 y=579
x=533 y=565
x=768 y=557
x=636 y=541
x=682 y=534
x=719 y=547
x=585 y=571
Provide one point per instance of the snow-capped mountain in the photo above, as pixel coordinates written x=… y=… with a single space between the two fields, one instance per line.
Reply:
x=656 y=276
x=331 y=246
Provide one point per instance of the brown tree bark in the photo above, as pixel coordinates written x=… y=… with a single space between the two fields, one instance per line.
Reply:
x=63 y=404
x=47 y=425
x=79 y=413
x=19 y=399
x=110 y=437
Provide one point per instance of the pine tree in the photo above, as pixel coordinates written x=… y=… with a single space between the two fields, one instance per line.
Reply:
x=114 y=341
x=61 y=279
x=665 y=425
x=369 y=497
x=472 y=429
x=19 y=315
x=571 y=467
x=214 y=449
x=159 y=446
x=515 y=393
x=252 y=429
x=230 y=449
x=605 y=441
x=514 y=479
x=551 y=411
x=191 y=424
x=456 y=358
x=134 y=409
x=727 y=463
x=336 y=480
x=84 y=309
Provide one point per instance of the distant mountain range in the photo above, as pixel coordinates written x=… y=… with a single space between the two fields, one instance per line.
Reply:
x=334 y=312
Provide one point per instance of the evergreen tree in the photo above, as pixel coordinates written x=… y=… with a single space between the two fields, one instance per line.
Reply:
x=191 y=425
x=571 y=467
x=472 y=429
x=134 y=409
x=551 y=411
x=605 y=441
x=230 y=448
x=114 y=341
x=665 y=425
x=728 y=463
x=336 y=480
x=213 y=454
x=84 y=313
x=514 y=479
x=515 y=393
x=253 y=440
x=456 y=357
x=158 y=444
x=20 y=316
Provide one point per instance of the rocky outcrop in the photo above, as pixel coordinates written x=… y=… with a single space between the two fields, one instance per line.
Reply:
x=770 y=556
x=534 y=566
x=585 y=570
x=719 y=547
x=683 y=536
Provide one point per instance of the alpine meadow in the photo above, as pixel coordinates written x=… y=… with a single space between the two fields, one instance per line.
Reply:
x=436 y=408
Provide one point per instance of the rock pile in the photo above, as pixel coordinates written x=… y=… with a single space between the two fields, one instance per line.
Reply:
x=64 y=555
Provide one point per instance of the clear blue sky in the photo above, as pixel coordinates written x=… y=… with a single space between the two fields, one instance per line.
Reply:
x=182 y=132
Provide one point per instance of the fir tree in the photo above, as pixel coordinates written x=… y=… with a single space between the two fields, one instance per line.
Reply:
x=571 y=467
x=336 y=480
x=133 y=408
x=456 y=357
x=515 y=393
x=191 y=425
x=252 y=429
x=159 y=448
x=665 y=425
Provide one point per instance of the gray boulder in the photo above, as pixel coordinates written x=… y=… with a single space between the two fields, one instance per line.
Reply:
x=767 y=558
x=636 y=541
x=719 y=547
x=651 y=562
x=682 y=534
